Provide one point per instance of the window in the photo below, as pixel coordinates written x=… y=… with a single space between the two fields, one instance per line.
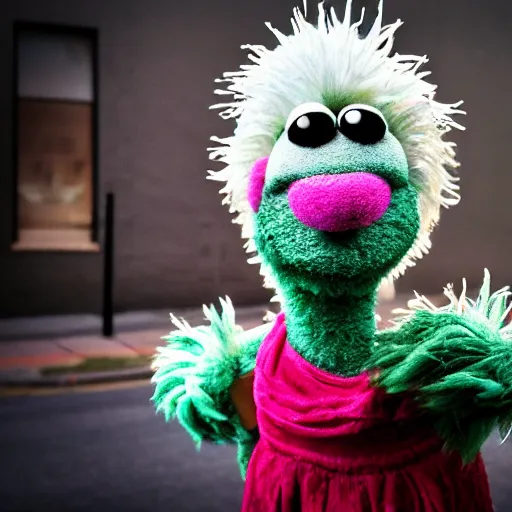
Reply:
x=55 y=134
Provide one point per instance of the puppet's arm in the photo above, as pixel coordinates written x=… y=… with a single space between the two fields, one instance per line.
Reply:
x=195 y=373
x=458 y=361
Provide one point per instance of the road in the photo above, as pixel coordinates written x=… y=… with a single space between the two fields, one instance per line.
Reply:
x=108 y=451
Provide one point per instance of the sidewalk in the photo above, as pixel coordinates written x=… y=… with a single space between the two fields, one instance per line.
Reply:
x=29 y=347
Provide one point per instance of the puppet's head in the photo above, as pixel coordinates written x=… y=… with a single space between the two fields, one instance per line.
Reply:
x=338 y=166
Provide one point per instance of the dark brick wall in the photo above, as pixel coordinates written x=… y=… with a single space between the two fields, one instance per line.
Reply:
x=175 y=244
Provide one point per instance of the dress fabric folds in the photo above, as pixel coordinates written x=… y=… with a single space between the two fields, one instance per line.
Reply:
x=330 y=444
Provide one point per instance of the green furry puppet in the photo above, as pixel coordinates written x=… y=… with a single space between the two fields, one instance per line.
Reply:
x=338 y=169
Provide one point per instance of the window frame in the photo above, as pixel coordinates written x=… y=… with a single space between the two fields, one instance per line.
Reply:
x=65 y=30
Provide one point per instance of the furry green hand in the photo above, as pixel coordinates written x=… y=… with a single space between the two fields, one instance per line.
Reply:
x=195 y=371
x=458 y=362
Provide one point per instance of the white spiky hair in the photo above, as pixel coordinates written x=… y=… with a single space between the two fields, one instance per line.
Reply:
x=319 y=60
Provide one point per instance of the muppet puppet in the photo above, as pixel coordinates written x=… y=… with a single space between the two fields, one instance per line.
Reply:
x=338 y=169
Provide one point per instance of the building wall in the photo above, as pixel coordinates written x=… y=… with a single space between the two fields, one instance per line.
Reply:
x=175 y=244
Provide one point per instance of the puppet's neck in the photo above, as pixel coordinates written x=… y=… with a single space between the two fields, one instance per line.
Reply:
x=335 y=334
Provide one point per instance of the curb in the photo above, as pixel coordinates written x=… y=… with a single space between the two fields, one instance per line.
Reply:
x=78 y=379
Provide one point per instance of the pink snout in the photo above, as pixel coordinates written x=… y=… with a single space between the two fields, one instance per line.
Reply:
x=339 y=202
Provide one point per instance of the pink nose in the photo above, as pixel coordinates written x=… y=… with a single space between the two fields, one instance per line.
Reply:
x=339 y=202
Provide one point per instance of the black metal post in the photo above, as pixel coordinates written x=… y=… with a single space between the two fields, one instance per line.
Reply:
x=108 y=269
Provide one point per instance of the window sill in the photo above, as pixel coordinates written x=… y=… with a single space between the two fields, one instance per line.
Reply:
x=58 y=240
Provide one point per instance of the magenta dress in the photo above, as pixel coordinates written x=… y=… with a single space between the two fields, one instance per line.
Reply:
x=331 y=444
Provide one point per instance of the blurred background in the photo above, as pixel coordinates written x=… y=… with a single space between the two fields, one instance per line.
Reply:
x=112 y=96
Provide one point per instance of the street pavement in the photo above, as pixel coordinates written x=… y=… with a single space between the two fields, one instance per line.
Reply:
x=107 y=451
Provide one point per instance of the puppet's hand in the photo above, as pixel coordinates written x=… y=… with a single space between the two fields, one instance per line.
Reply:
x=458 y=362
x=195 y=371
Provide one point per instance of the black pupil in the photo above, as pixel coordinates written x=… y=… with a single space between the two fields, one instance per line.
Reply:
x=312 y=130
x=363 y=126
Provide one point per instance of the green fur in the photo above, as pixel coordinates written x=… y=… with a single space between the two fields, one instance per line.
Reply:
x=458 y=361
x=246 y=443
x=335 y=334
x=195 y=371
x=329 y=280
x=250 y=342
x=335 y=264
x=336 y=100
x=397 y=123
x=351 y=262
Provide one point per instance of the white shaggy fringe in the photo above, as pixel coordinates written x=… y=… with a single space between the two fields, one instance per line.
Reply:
x=490 y=309
x=334 y=57
x=220 y=337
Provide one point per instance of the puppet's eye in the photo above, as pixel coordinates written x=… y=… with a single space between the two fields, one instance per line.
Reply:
x=311 y=125
x=362 y=123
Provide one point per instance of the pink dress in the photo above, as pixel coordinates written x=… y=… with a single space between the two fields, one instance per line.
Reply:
x=330 y=444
